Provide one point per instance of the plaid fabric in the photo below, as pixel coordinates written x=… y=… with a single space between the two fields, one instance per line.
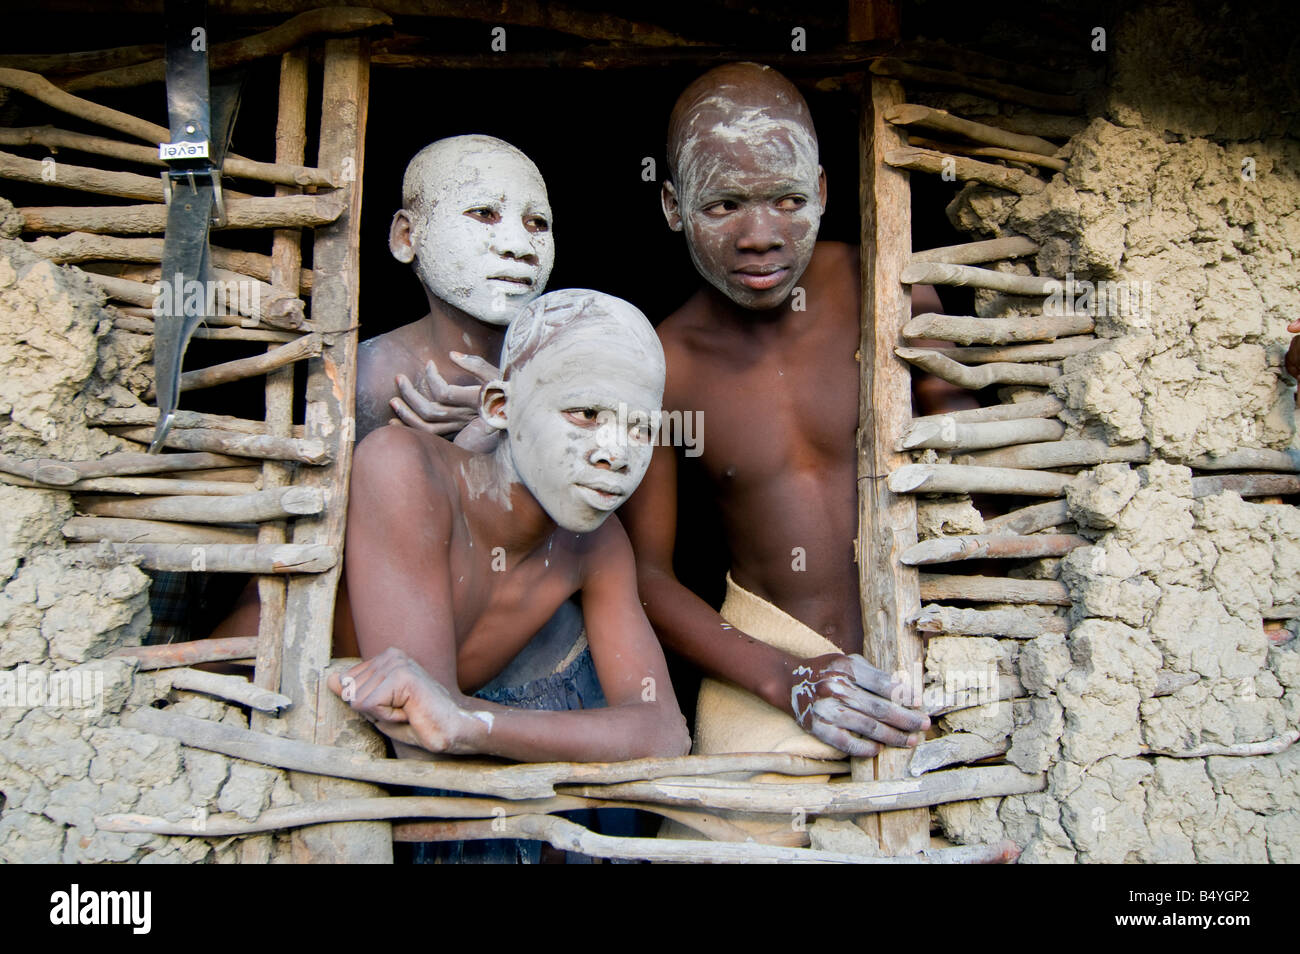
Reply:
x=187 y=606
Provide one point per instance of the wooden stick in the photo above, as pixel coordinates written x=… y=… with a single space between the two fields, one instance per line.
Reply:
x=843 y=798
x=888 y=66
x=948 y=434
x=959 y=479
x=272 y=504
x=972 y=170
x=221 y=649
x=996 y=331
x=226 y=557
x=140 y=485
x=273 y=42
x=38 y=87
x=982 y=546
x=887 y=590
x=85 y=247
x=1009 y=623
x=305 y=347
x=305 y=450
x=968 y=276
x=234 y=688
x=83 y=178
x=63 y=473
x=1246 y=485
x=81 y=62
x=144 y=326
x=1046 y=406
x=910 y=114
x=975 y=253
x=992 y=589
x=1249 y=458
x=116 y=530
x=1040 y=124
x=509 y=781
x=295 y=211
x=986 y=375
x=1271 y=746
x=1047 y=351
x=238 y=294
x=959 y=748
x=1013 y=156
x=1082 y=453
x=1030 y=519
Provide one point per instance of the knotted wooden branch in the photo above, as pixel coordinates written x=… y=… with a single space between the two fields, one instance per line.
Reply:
x=1030 y=519
x=967 y=276
x=1249 y=458
x=1082 y=453
x=64 y=473
x=225 y=557
x=975 y=253
x=996 y=331
x=910 y=114
x=1047 y=351
x=1046 y=406
x=939 y=163
x=233 y=688
x=1009 y=623
x=961 y=479
x=985 y=546
x=1013 y=156
x=123 y=530
x=221 y=649
x=986 y=375
x=274 y=504
x=946 y=433
x=282 y=212
x=992 y=589
x=306 y=450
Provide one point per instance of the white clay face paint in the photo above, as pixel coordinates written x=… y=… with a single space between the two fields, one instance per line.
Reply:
x=481 y=226
x=763 y=163
x=579 y=357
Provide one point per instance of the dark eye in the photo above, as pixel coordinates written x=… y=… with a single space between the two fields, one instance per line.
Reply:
x=791 y=203
x=536 y=223
x=484 y=213
x=721 y=208
x=585 y=416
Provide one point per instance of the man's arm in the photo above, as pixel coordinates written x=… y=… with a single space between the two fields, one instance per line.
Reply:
x=837 y=698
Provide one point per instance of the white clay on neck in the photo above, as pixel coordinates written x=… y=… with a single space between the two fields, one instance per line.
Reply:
x=481 y=237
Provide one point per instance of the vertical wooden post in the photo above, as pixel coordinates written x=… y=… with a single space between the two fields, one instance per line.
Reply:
x=317 y=715
x=889 y=591
x=286 y=268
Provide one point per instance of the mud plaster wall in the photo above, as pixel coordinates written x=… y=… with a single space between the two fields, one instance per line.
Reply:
x=1175 y=591
x=63 y=610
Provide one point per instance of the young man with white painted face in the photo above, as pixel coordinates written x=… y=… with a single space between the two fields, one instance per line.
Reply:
x=454 y=559
x=475 y=224
x=778 y=388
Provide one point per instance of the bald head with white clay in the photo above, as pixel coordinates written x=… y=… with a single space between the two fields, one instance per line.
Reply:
x=476 y=224
x=582 y=373
x=746 y=186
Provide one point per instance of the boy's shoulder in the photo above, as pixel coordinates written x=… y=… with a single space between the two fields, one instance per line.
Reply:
x=403 y=463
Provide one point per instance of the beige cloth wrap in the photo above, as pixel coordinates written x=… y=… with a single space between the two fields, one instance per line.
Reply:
x=729 y=719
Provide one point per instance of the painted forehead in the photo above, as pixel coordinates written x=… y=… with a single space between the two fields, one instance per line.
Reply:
x=476 y=167
x=561 y=327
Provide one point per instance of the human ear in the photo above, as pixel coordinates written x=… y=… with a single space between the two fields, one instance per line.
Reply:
x=493 y=399
x=399 y=237
x=821 y=187
x=668 y=199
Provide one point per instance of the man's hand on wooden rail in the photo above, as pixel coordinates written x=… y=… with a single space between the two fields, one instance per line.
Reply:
x=850 y=704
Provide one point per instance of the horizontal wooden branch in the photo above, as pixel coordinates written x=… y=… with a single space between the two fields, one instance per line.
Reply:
x=277 y=503
x=994 y=89
x=949 y=434
x=1046 y=351
x=227 y=557
x=1249 y=458
x=996 y=331
x=986 y=546
x=959 y=748
x=306 y=450
x=221 y=649
x=1081 y=453
x=64 y=473
x=960 y=479
x=221 y=56
x=1030 y=519
x=840 y=798
x=981 y=376
x=38 y=87
x=234 y=688
x=1013 y=156
x=1046 y=406
x=910 y=114
x=968 y=276
x=307 y=346
x=145 y=326
x=1271 y=746
x=141 y=485
x=258 y=302
x=278 y=212
x=123 y=530
x=993 y=589
x=1008 y=623
x=82 y=61
x=975 y=253
x=87 y=247
x=960 y=167
x=141 y=415
x=63 y=175
x=1247 y=485
x=511 y=781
